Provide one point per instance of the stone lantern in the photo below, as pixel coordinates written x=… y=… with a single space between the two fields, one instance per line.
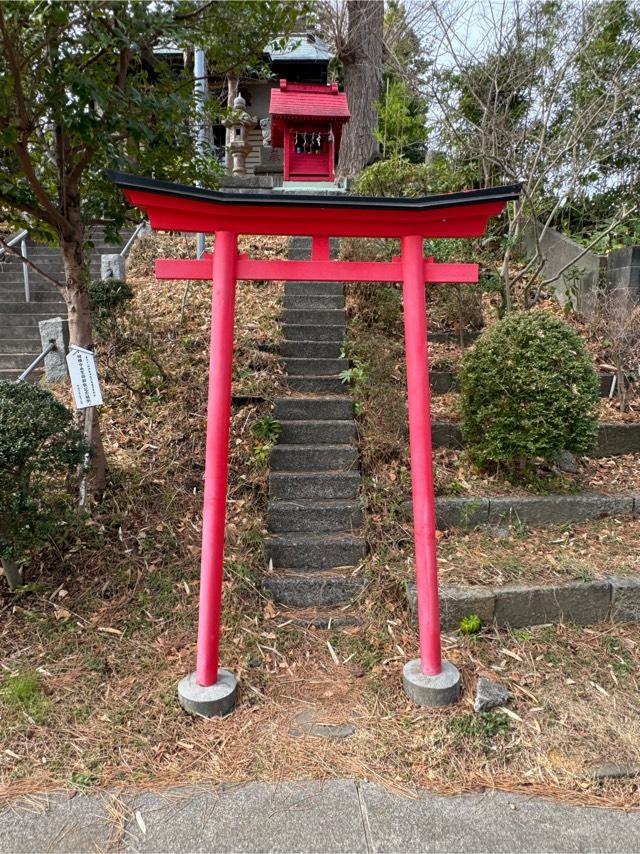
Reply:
x=239 y=123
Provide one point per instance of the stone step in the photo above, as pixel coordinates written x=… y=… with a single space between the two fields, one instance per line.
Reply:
x=318 y=432
x=314 y=457
x=315 y=367
x=11 y=374
x=314 y=408
x=7 y=309
x=326 y=288
x=17 y=361
x=312 y=332
x=313 y=516
x=19 y=345
x=322 y=589
x=25 y=329
x=315 y=385
x=315 y=317
x=309 y=302
x=295 y=485
x=37 y=293
x=311 y=349
x=315 y=551
x=15 y=320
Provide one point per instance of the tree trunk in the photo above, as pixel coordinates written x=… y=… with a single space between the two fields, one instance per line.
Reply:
x=362 y=60
x=80 y=333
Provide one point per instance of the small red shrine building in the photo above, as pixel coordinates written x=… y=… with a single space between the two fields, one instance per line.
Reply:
x=307 y=122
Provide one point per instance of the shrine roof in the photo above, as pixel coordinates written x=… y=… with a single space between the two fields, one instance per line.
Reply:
x=179 y=207
x=308 y=101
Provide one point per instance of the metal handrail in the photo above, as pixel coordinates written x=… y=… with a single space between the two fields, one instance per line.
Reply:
x=130 y=241
x=21 y=238
x=36 y=362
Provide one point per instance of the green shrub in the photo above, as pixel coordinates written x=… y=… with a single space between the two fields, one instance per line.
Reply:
x=529 y=391
x=107 y=295
x=39 y=443
x=398 y=177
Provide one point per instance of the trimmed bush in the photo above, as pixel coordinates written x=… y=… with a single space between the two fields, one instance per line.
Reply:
x=39 y=445
x=107 y=295
x=529 y=391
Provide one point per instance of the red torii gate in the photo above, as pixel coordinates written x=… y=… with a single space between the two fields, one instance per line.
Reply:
x=175 y=207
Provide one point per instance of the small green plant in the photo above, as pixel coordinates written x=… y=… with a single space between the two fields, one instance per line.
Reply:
x=24 y=693
x=260 y=453
x=529 y=391
x=484 y=726
x=267 y=427
x=83 y=782
x=470 y=625
x=357 y=373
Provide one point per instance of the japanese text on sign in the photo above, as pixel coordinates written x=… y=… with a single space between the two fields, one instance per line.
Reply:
x=84 y=377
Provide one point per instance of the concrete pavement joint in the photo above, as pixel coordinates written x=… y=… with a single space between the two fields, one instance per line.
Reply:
x=366 y=825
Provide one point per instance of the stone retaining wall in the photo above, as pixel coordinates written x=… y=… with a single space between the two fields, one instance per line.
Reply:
x=534 y=511
x=584 y=603
x=614 y=437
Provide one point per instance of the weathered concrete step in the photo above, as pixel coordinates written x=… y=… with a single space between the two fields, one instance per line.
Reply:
x=315 y=317
x=27 y=329
x=19 y=345
x=8 y=309
x=315 y=551
x=315 y=367
x=314 y=484
x=12 y=374
x=16 y=361
x=313 y=408
x=312 y=332
x=316 y=385
x=317 y=432
x=320 y=589
x=325 y=288
x=38 y=293
x=313 y=516
x=21 y=321
x=313 y=457
x=616 y=598
x=311 y=349
x=614 y=437
x=316 y=302
x=532 y=510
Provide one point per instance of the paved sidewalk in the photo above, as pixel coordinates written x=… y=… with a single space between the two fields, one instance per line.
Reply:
x=338 y=815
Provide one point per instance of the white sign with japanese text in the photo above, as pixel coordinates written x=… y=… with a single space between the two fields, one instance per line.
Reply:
x=84 y=377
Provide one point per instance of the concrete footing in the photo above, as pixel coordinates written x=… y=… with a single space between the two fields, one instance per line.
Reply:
x=441 y=690
x=210 y=701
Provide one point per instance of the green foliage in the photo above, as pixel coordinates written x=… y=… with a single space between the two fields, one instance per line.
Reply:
x=107 y=295
x=82 y=90
x=470 y=625
x=267 y=428
x=402 y=130
x=39 y=445
x=398 y=177
x=23 y=693
x=529 y=391
x=485 y=725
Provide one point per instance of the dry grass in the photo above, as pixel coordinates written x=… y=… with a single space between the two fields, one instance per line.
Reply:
x=94 y=645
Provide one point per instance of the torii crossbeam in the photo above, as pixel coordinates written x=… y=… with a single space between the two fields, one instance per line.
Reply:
x=427 y=680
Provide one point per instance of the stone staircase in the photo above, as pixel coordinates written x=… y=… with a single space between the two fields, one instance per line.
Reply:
x=314 y=516
x=19 y=333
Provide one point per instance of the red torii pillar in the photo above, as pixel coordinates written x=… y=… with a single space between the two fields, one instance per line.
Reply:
x=427 y=680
